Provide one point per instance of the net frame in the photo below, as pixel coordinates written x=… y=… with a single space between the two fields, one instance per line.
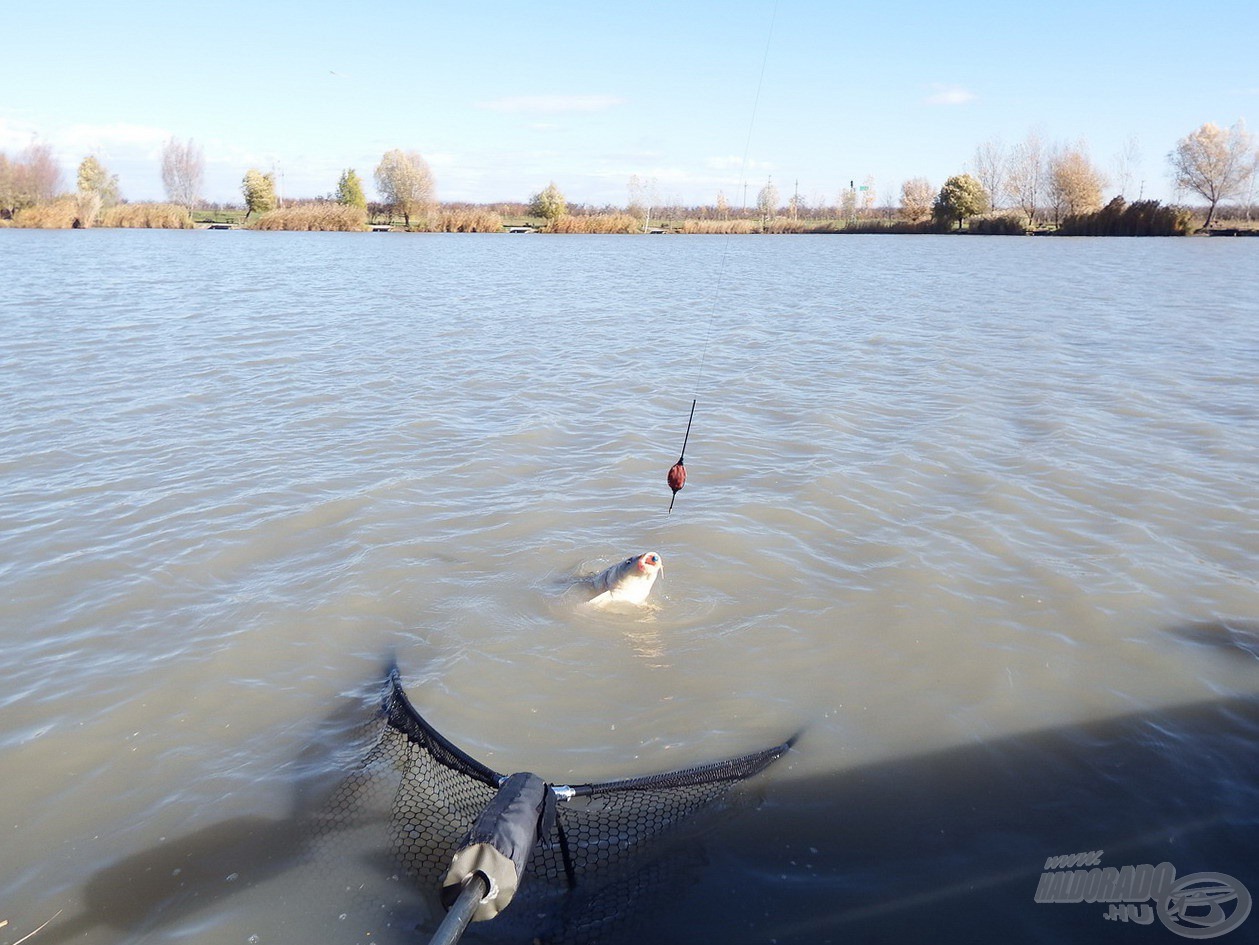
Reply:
x=597 y=827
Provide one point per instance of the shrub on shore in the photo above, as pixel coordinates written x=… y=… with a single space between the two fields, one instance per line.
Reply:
x=1006 y=225
x=317 y=216
x=156 y=216
x=1143 y=218
x=892 y=226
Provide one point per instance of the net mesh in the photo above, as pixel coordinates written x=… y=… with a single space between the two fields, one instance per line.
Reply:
x=610 y=843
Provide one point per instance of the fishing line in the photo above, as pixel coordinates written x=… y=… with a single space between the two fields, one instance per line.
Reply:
x=677 y=473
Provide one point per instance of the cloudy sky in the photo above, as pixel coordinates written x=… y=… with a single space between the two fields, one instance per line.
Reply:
x=503 y=97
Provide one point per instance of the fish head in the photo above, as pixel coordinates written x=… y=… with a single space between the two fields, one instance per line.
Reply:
x=649 y=564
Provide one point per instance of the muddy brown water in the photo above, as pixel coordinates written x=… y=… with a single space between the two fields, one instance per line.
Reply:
x=975 y=516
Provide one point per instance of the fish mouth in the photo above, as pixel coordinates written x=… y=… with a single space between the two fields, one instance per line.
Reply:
x=650 y=561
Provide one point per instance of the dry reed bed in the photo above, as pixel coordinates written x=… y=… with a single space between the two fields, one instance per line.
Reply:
x=156 y=216
x=66 y=213
x=469 y=221
x=326 y=216
x=776 y=225
x=59 y=214
x=596 y=223
x=718 y=226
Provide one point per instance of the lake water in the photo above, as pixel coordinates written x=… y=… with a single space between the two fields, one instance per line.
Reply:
x=976 y=516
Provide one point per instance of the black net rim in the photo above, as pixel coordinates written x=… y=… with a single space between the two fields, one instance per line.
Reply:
x=402 y=715
x=732 y=769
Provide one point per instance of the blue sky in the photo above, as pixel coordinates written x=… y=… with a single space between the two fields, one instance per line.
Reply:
x=503 y=97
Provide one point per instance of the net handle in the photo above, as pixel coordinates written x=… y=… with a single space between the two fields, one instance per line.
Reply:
x=456 y=922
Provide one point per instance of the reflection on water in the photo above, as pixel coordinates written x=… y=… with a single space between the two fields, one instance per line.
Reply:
x=954 y=507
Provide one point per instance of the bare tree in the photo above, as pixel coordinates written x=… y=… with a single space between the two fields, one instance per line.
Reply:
x=183 y=172
x=889 y=203
x=672 y=207
x=1075 y=185
x=14 y=186
x=1126 y=163
x=644 y=196
x=1214 y=162
x=637 y=205
x=405 y=183
x=767 y=203
x=869 y=196
x=8 y=186
x=41 y=175
x=32 y=177
x=990 y=168
x=917 y=197
x=1025 y=175
x=848 y=203
x=1251 y=179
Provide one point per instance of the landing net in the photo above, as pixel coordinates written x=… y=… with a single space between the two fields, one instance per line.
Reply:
x=607 y=844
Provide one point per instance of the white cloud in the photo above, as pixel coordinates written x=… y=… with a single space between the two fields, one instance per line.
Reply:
x=15 y=134
x=552 y=103
x=660 y=174
x=949 y=95
x=732 y=163
x=141 y=138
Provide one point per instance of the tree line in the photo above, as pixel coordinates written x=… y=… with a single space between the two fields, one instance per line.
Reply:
x=1037 y=183
x=1061 y=181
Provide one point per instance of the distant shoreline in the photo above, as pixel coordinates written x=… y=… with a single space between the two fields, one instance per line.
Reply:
x=1215 y=231
x=1142 y=218
x=856 y=231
